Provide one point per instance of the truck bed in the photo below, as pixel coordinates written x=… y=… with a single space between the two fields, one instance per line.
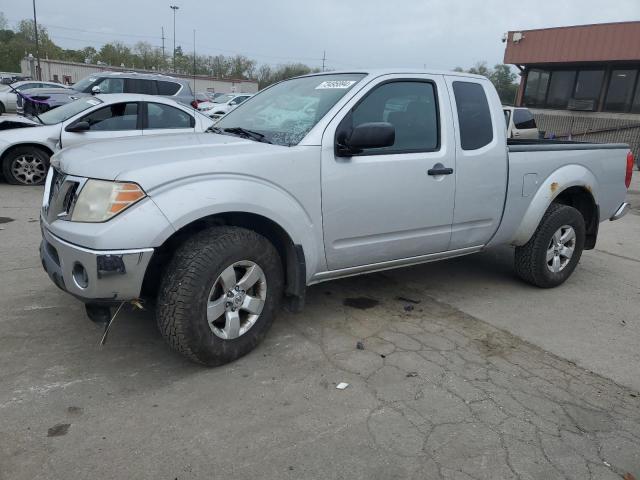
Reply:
x=531 y=145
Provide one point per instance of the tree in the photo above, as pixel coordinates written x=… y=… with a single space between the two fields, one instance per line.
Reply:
x=504 y=80
x=501 y=76
x=148 y=56
x=480 y=68
x=267 y=76
x=116 y=53
x=16 y=43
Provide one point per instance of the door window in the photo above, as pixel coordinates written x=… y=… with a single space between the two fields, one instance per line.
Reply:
x=111 y=85
x=116 y=117
x=165 y=116
x=26 y=86
x=523 y=119
x=238 y=100
x=409 y=106
x=474 y=116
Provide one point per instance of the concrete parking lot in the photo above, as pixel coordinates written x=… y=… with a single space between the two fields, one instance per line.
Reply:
x=463 y=373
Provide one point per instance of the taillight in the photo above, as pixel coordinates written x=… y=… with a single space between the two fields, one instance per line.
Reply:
x=627 y=179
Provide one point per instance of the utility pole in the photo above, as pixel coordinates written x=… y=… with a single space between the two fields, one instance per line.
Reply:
x=35 y=28
x=324 y=57
x=174 y=8
x=163 y=57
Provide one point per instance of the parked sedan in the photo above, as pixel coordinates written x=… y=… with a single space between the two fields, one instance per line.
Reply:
x=27 y=144
x=8 y=97
x=223 y=104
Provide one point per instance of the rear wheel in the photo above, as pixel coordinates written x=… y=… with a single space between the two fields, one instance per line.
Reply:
x=551 y=255
x=219 y=295
x=25 y=166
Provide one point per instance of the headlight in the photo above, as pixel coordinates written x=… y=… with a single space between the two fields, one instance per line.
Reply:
x=100 y=200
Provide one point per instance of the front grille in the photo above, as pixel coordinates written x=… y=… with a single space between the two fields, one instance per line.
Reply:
x=63 y=192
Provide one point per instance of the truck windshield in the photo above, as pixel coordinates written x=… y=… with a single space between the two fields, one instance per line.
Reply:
x=65 y=112
x=284 y=113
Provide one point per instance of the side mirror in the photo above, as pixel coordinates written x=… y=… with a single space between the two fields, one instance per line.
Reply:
x=78 y=127
x=95 y=89
x=367 y=135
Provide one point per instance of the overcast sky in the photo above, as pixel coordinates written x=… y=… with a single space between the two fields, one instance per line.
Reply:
x=440 y=34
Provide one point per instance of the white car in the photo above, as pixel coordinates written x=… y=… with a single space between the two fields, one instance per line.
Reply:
x=520 y=123
x=8 y=97
x=26 y=144
x=223 y=104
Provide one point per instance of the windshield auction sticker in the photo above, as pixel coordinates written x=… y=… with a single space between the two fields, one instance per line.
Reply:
x=341 y=84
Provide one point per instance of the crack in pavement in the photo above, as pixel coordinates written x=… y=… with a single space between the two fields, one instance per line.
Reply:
x=476 y=401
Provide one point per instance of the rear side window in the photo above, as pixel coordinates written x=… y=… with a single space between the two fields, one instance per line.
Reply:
x=474 y=115
x=136 y=85
x=523 y=119
x=168 y=88
x=165 y=116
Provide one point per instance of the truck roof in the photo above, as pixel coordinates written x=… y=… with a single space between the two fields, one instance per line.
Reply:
x=376 y=72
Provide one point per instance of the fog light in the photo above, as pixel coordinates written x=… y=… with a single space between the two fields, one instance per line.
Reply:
x=79 y=274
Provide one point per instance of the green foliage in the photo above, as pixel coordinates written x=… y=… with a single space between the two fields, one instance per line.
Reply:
x=267 y=75
x=502 y=78
x=16 y=44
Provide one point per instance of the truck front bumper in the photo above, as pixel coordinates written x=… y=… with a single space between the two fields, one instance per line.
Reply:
x=621 y=211
x=94 y=275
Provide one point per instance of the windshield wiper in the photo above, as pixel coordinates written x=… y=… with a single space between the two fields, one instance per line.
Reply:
x=257 y=136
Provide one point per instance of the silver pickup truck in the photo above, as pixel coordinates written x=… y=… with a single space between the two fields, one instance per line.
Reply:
x=313 y=179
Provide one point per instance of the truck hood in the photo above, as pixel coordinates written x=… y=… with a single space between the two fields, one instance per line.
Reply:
x=155 y=160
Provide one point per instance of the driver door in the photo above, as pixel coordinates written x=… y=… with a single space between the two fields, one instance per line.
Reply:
x=112 y=121
x=387 y=204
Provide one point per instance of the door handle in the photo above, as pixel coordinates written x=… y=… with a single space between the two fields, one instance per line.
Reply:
x=440 y=171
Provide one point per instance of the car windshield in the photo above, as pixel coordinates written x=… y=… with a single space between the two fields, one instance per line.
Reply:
x=224 y=98
x=286 y=112
x=84 y=84
x=65 y=112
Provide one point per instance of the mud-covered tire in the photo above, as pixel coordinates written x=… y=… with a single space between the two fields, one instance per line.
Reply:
x=181 y=310
x=531 y=262
x=25 y=165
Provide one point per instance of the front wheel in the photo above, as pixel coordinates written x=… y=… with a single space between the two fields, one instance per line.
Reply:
x=25 y=166
x=219 y=294
x=551 y=255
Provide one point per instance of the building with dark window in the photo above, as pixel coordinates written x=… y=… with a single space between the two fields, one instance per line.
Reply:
x=581 y=81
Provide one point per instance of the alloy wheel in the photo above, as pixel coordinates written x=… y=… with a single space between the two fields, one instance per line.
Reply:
x=28 y=169
x=561 y=248
x=236 y=299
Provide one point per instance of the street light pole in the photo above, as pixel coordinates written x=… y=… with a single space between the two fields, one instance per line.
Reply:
x=35 y=29
x=174 y=8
